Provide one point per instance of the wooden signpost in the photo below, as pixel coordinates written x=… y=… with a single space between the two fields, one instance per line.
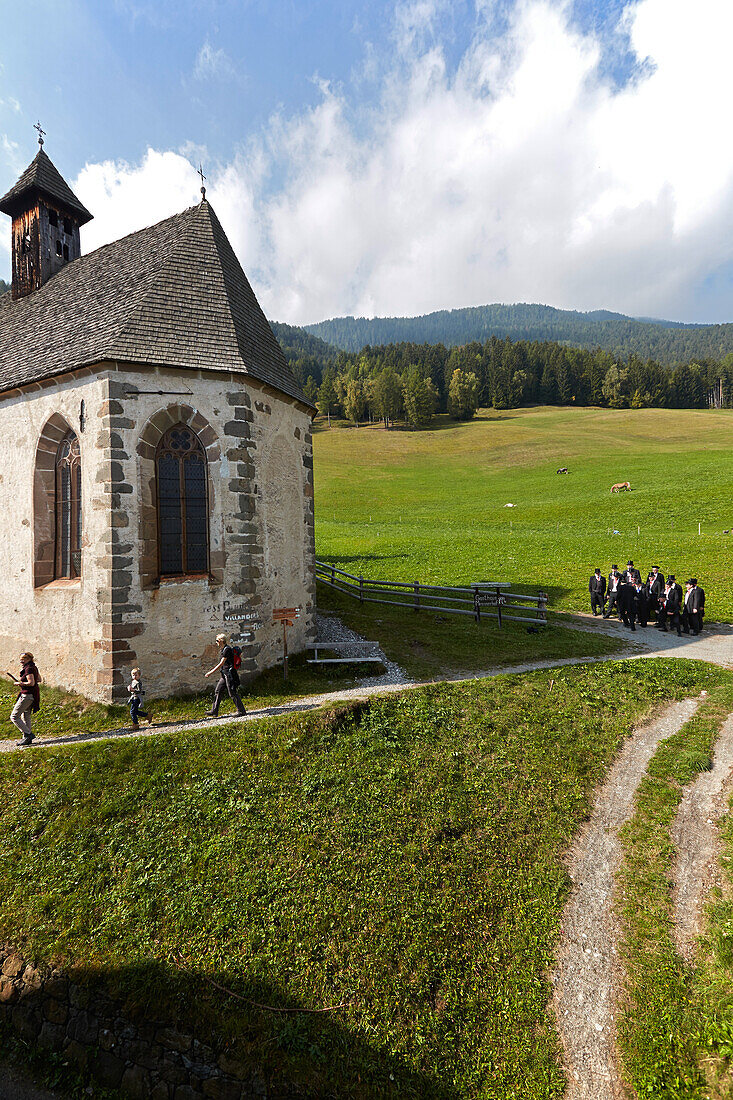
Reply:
x=495 y=599
x=286 y=616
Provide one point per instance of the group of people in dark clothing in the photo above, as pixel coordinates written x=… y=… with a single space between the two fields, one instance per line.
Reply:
x=656 y=599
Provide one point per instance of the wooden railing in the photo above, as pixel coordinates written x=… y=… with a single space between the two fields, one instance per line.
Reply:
x=494 y=600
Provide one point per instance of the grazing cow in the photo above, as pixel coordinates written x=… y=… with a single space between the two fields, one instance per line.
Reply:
x=563 y=470
x=621 y=486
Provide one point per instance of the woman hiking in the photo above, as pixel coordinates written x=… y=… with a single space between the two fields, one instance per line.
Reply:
x=29 y=698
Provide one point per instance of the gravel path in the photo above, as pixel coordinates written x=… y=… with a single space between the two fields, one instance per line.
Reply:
x=696 y=837
x=714 y=644
x=585 y=979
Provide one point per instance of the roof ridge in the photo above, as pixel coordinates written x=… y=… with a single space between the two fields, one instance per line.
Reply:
x=157 y=276
x=221 y=241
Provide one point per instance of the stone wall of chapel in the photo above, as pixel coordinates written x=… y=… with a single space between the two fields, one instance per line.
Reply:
x=88 y=633
x=66 y=624
x=261 y=532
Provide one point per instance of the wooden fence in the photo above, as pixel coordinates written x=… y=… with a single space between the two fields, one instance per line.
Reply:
x=483 y=599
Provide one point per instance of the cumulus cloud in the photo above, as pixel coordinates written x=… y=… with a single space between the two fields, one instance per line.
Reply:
x=521 y=173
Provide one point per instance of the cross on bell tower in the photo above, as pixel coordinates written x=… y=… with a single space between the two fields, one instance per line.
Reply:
x=41 y=133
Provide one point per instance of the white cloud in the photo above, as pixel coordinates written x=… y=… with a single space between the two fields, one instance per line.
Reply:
x=212 y=63
x=11 y=152
x=124 y=198
x=520 y=175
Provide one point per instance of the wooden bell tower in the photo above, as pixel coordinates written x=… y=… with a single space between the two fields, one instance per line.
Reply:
x=46 y=216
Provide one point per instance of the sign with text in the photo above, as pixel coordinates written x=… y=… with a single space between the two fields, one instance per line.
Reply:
x=490 y=599
x=285 y=614
x=245 y=615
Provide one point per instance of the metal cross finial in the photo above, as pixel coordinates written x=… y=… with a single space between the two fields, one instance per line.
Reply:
x=203 y=177
x=41 y=133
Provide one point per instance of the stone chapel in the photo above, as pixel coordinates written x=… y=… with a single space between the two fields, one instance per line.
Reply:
x=156 y=467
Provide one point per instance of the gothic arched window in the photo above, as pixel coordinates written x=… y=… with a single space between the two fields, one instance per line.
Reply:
x=183 y=524
x=68 y=508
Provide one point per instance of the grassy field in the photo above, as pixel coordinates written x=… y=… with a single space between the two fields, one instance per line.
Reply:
x=405 y=857
x=429 y=505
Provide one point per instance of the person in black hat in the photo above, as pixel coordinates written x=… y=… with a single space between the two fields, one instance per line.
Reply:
x=655 y=587
x=614 y=580
x=639 y=603
x=694 y=607
x=669 y=608
x=597 y=589
x=632 y=573
x=626 y=604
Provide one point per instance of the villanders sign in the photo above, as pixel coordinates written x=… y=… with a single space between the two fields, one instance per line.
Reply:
x=243 y=615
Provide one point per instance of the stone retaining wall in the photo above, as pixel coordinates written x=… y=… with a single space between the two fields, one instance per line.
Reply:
x=143 y=1060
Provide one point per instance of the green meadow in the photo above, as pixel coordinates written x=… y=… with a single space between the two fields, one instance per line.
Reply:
x=430 y=505
x=400 y=859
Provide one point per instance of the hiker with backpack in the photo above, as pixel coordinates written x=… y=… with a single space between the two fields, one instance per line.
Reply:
x=228 y=683
x=29 y=698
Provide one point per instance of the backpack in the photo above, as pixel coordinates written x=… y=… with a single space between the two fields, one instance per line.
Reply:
x=237 y=657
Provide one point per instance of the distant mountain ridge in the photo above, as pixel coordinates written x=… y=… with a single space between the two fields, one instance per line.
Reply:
x=668 y=342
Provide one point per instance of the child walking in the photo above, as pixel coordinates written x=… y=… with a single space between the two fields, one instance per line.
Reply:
x=136 y=700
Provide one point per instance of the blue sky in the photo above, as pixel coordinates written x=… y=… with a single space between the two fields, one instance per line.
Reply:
x=391 y=158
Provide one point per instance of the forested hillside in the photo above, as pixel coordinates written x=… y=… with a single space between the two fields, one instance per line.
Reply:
x=666 y=342
x=411 y=382
x=307 y=355
x=4 y=286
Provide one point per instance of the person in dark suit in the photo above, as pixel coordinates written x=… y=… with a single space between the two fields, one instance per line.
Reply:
x=655 y=586
x=632 y=573
x=701 y=600
x=614 y=579
x=626 y=608
x=693 y=608
x=639 y=603
x=597 y=589
x=671 y=603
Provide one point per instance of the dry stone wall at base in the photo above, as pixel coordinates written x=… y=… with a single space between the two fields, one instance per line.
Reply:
x=144 y=1060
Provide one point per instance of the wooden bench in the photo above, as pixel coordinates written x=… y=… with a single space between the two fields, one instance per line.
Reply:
x=345 y=658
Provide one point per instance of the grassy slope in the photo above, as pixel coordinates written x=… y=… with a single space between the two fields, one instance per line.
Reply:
x=407 y=859
x=428 y=505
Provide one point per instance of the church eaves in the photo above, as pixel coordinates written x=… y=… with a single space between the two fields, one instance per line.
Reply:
x=173 y=294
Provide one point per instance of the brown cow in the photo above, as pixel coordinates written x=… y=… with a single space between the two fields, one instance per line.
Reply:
x=620 y=486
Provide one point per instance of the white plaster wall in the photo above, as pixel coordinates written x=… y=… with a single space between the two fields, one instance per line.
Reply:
x=66 y=625
x=60 y=622
x=182 y=617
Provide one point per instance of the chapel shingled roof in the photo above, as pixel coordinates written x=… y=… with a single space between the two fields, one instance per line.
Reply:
x=42 y=175
x=171 y=295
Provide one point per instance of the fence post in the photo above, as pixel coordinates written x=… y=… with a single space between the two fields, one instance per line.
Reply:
x=498 y=605
x=361 y=589
x=416 y=587
x=542 y=606
x=476 y=605
x=333 y=574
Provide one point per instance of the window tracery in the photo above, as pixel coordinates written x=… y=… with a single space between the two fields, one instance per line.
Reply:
x=68 y=508
x=183 y=535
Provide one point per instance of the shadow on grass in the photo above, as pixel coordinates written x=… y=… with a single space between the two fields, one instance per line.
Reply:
x=212 y=1024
